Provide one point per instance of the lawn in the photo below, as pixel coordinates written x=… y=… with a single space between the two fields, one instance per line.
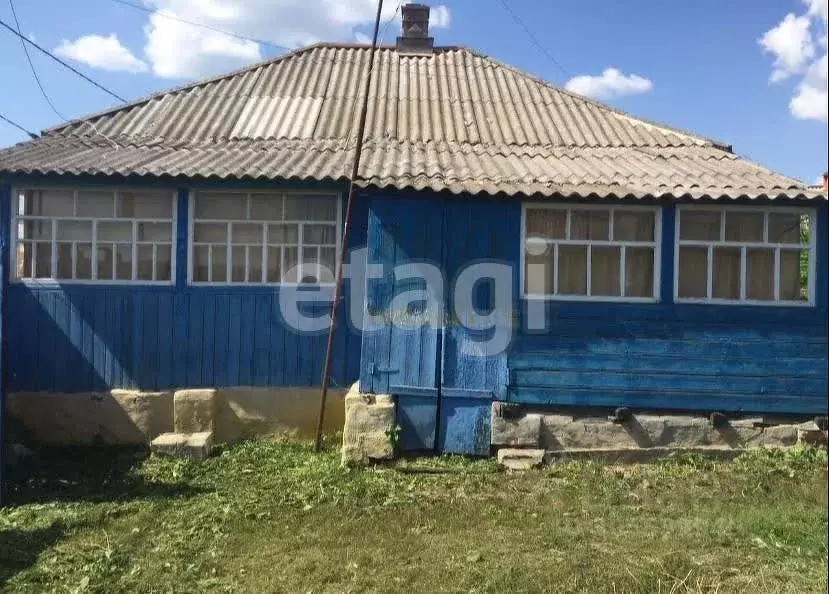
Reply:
x=267 y=516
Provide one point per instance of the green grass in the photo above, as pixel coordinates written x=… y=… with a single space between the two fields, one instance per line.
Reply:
x=265 y=516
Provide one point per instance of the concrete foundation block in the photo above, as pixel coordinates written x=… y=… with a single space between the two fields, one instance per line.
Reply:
x=368 y=419
x=194 y=446
x=520 y=459
x=194 y=411
x=522 y=431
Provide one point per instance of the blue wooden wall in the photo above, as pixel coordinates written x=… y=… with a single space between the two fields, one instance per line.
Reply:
x=78 y=338
x=661 y=356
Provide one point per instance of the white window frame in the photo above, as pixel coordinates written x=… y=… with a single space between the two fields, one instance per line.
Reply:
x=191 y=243
x=656 y=245
x=53 y=281
x=743 y=245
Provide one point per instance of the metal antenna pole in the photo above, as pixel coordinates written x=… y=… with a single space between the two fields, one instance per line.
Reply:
x=332 y=327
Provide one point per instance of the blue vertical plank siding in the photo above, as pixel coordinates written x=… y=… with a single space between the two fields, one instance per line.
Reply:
x=5 y=229
x=92 y=337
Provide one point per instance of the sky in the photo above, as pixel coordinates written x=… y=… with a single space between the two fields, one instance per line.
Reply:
x=751 y=73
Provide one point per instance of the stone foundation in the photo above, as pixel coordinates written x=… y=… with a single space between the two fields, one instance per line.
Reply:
x=368 y=421
x=641 y=436
x=133 y=417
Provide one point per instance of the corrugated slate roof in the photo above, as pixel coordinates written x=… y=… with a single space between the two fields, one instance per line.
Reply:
x=454 y=120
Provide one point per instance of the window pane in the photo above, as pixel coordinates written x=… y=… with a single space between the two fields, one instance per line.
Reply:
x=320 y=234
x=83 y=264
x=123 y=262
x=639 y=272
x=726 y=273
x=75 y=230
x=699 y=225
x=784 y=228
x=64 y=261
x=633 y=226
x=794 y=274
x=572 y=270
x=34 y=230
x=309 y=265
x=604 y=271
x=145 y=262
x=590 y=224
x=43 y=260
x=210 y=233
x=760 y=274
x=162 y=232
x=310 y=208
x=290 y=270
x=163 y=263
x=108 y=231
x=744 y=226
x=144 y=205
x=200 y=263
x=222 y=207
x=254 y=265
x=539 y=269
x=48 y=203
x=283 y=234
x=546 y=223
x=266 y=207
x=237 y=270
x=274 y=264
x=24 y=260
x=219 y=264
x=105 y=268
x=693 y=272
x=246 y=233
x=328 y=264
x=96 y=204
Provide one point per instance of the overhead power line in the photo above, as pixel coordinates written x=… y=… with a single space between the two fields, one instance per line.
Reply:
x=61 y=62
x=32 y=66
x=32 y=135
x=173 y=17
x=532 y=37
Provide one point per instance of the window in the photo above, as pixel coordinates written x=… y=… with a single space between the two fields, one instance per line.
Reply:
x=606 y=253
x=265 y=238
x=93 y=235
x=744 y=255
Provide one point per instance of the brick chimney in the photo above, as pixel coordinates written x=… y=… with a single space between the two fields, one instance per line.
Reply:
x=415 y=38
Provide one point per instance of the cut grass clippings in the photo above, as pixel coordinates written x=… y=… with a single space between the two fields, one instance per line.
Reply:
x=270 y=516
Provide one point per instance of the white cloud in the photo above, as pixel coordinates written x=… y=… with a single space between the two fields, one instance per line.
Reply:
x=440 y=17
x=178 y=50
x=611 y=83
x=811 y=102
x=97 y=51
x=792 y=42
x=362 y=38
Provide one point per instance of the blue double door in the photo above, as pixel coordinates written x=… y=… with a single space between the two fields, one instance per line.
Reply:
x=413 y=339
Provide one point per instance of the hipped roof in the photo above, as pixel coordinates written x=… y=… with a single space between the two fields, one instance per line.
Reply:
x=452 y=120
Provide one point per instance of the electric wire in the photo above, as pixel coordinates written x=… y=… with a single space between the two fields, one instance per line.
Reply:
x=32 y=66
x=61 y=62
x=32 y=135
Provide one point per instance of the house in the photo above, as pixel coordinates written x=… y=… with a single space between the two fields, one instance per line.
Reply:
x=537 y=247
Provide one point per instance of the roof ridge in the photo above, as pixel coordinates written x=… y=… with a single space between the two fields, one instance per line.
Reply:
x=712 y=141
x=226 y=75
x=189 y=86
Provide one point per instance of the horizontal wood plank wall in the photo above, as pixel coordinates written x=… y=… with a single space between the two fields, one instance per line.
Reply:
x=79 y=338
x=679 y=356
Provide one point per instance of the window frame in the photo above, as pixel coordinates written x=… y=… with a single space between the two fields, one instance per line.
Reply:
x=134 y=243
x=247 y=192
x=743 y=245
x=656 y=245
